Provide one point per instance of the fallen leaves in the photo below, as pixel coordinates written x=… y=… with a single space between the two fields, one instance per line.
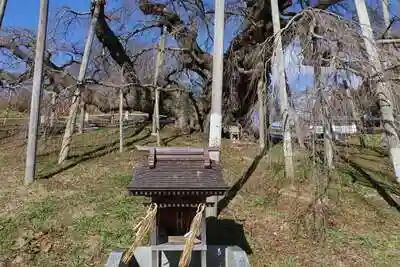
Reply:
x=29 y=244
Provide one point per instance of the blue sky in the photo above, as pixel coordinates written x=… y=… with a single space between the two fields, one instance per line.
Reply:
x=27 y=17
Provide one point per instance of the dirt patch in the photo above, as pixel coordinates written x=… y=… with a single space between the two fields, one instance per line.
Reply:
x=93 y=249
x=30 y=244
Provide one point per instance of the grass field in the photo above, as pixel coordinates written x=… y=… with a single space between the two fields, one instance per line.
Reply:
x=76 y=214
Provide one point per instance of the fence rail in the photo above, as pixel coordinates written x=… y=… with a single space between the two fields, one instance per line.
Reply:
x=19 y=125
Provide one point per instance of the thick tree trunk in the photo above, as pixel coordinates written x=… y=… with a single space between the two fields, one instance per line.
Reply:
x=198 y=120
x=298 y=128
x=357 y=118
x=295 y=118
x=328 y=143
x=326 y=123
x=183 y=113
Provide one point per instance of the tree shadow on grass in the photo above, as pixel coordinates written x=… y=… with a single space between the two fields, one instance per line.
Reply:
x=164 y=141
x=172 y=138
x=232 y=192
x=380 y=151
x=96 y=153
x=48 y=153
x=358 y=174
x=137 y=131
x=382 y=188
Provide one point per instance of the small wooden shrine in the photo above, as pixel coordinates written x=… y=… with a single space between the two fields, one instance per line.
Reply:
x=177 y=180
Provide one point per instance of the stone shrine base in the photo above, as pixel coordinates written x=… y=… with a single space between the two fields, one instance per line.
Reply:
x=221 y=256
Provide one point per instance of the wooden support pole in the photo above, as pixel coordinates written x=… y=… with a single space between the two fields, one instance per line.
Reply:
x=81 y=125
x=387 y=41
x=261 y=110
x=382 y=90
x=34 y=115
x=8 y=107
x=279 y=65
x=69 y=128
x=121 y=120
x=159 y=65
x=53 y=109
x=386 y=17
x=3 y=5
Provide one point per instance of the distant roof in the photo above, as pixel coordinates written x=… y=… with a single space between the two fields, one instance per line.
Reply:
x=276 y=124
x=177 y=171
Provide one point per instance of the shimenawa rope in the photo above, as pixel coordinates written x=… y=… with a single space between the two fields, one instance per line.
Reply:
x=186 y=256
x=143 y=227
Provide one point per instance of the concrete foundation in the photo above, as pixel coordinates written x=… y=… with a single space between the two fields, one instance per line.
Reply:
x=217 y=256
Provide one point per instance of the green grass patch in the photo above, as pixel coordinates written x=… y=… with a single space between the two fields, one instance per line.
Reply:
x=288 y=262
x=121 y=179
x=40 y=214
x=13 y=114
x=113 y=220
x=8 y=234
x=382 y=248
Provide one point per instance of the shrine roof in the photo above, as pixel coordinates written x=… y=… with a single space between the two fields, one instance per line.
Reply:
x=180 y=171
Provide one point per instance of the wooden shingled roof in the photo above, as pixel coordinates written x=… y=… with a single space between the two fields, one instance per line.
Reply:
x=177 y=171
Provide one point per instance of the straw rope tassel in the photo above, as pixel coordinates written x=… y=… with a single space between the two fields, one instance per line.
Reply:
x=143 y=227
x=186 y=256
